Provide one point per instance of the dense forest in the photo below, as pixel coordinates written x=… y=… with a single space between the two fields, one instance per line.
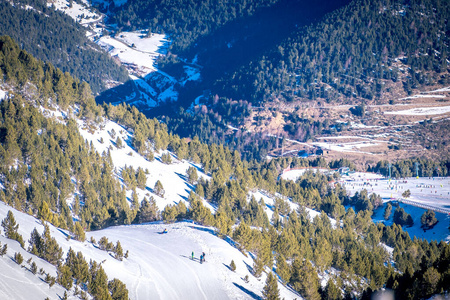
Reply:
x=46 y=153
x=55 y=37
x=359 y=50
x=354 y=52
x=362 y=52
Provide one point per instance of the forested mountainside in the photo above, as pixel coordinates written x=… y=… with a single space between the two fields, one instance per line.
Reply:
x=44 y=161
x=53 y=36
x=363 y=50
x=366 y=50
x=273 y=60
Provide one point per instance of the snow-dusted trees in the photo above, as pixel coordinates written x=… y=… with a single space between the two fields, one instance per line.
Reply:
x=79 y=234
x=45 y=246
x=192 y=174
x=428 y=219
x=270 y=290
x=118 y=251
x=158 y=189
x=148 y=211
x=3 y=249
x=10 y=228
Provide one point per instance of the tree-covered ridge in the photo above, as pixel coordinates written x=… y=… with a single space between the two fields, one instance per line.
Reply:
x=54 y=37
x=184 y=20
x=356 y=51
x=44 y=160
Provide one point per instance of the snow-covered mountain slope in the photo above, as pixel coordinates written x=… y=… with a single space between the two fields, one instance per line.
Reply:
x=171 y=176
x=159 y=266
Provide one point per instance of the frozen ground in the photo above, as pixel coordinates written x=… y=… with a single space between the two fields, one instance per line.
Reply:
x=158 y=266
x=295 y=174
x=136 y=50
x=425 y=191
x=2 y=94
x=421 y=111
x=429 y=191
x=76 y=10
x=346 y=147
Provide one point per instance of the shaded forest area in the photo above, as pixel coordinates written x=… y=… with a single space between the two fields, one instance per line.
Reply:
x=53 y=36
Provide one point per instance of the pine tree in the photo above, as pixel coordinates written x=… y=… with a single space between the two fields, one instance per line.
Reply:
x=332 y=292
x=119 y=143
x=18 y=258
x=428 y=219
x=44 y=212
x=33 y=268
x=98 y=285
x=271 y=291
x=64 y=276
x=10 y=228
x=283 y=268
x=118 y=251
x=232 y=266
x=192 y=175
x=4 y=249
x=35 y=243
x=159 y=189
x=141 y=178
x=169 y=214
x=52 y=252
x=79 y=232
x=118 y=290
x=387 y=211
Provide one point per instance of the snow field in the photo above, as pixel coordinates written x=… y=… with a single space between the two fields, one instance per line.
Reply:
x=433 y=192
x=76 y=11
x=135 y=49
x=421 y=111
x=2 y=94
x=158 y=267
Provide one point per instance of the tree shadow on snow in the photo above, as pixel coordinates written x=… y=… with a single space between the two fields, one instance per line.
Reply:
x=229 y=268
x=250 y=293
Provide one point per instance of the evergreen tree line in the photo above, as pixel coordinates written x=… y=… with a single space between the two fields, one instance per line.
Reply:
x=53 y=36
x=407 y=168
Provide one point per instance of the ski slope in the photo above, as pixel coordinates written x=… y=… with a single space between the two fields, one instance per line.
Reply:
x=158 y=266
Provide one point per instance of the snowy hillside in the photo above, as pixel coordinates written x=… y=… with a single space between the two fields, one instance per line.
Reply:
x=158 y=267
x=171 y=176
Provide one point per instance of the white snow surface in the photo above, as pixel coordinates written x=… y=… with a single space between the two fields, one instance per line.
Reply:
x=421 y=111
x=2 y=94
x=427 y=192
x=297 y=173
x=135 y=49
x=158 y=266
x=425 y=96
x=76 y=11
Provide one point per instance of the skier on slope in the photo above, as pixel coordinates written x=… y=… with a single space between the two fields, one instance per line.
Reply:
x=192 y=255
x=203 y=256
